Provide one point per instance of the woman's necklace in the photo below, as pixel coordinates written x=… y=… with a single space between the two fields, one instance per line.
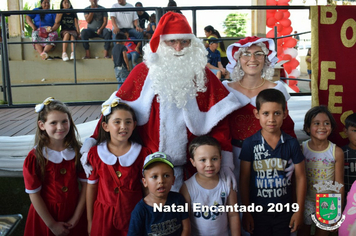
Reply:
x=258 y=86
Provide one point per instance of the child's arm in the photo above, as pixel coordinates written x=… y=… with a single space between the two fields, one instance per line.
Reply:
x=245 y=171
x=184 y=191
x=124 y=53
x=148 y=28
x=186 y=227
x=301 y=190
x=115 y=27
x=80 y=207
x=339 y=170
x=234 y=218
x=57 y=22
x=77 y=26
x=57 y=228
x=92 y=190
x=186 y=223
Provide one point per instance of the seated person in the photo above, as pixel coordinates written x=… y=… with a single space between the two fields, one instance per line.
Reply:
x=126 y=20
x=151 y=27
x=214 y=59
x=132 y=54
x=97 y=22
x=142 y=16
x=47 y=22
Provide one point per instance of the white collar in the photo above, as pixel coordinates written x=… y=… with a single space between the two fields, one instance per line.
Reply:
x=58 y=156
x=125 y=160
x=244 y=100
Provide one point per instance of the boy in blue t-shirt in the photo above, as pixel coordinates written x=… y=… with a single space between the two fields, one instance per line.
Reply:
x=263 y=181
x=214 y=59
x=120 y=59
x=350 y=152
x=161 y=212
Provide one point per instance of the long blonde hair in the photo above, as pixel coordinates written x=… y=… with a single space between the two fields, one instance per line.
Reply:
x=42 y=139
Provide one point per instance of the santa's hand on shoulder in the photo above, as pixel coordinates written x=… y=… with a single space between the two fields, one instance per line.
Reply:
x=88 y=143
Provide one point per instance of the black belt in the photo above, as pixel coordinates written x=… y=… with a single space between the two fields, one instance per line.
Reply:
x=237 y=143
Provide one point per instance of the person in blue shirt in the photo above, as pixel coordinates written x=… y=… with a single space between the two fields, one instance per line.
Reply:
x=214 y=59
x=263 y=181
x=148 y=217
x=47 y=23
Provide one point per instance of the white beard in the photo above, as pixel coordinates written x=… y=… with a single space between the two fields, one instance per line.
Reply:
x=177 y=76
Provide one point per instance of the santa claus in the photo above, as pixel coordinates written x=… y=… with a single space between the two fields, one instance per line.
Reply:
x=176 y=98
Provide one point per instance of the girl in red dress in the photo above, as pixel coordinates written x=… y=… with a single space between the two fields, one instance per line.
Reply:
x=114 y=185
x=51 y=171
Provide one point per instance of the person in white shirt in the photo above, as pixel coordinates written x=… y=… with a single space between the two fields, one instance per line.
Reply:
x=126 y=20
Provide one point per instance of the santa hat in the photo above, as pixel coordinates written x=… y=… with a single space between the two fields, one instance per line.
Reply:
x=172 y=25
x=248 y=42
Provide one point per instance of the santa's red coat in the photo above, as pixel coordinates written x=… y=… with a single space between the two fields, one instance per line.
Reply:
x=170 y=129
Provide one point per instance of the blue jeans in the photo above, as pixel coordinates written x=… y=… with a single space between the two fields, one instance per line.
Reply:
x=133 y=57
x=132 y=33
x=121 y=74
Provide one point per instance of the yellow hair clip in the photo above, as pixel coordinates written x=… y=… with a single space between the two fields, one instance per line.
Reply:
x=106 y=109
x=40 y=106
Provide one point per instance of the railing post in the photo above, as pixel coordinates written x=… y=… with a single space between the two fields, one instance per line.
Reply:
x=5 y=62
x=194 y=14
x=75 y=64
x=3 y=72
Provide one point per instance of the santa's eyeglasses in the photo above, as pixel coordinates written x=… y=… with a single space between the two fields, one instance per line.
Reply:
x=182 y=42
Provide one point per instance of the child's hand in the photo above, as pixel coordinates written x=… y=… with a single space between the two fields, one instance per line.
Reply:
x=73 y=222
x=247 y=222
x=60 y=228
x=296 y=221
x=89 y=226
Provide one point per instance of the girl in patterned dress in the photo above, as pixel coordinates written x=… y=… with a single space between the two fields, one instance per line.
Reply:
x=51 y=171
x=114 y=186
x=323 y=159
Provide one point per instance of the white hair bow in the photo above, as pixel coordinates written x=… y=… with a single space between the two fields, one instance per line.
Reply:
x=40 y=106
x=113 y=101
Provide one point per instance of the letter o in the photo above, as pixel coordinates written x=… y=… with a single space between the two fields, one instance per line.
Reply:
x=345 y=41
x=258 y=208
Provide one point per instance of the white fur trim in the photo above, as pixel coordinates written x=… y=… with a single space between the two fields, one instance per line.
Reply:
x=227 y=159
x=178 y=182
x=280 y=87
x=125 y=160
x=83 y=180
x=244 y=100
x=142 y=105
x=173 y=133
x=33 y=190
x=165 y=37
x=88 y=143
x=200 y=123
x=93 y=181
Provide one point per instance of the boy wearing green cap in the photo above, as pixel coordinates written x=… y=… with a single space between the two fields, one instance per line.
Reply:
x=161 y=212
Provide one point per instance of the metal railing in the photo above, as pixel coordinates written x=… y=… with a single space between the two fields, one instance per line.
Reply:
x=6 y=78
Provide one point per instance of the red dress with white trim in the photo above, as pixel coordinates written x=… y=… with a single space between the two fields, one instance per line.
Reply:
x=119 y=187
x=59 y=190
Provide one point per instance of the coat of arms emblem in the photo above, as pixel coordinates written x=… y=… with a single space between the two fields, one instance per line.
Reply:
x=328 y=215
